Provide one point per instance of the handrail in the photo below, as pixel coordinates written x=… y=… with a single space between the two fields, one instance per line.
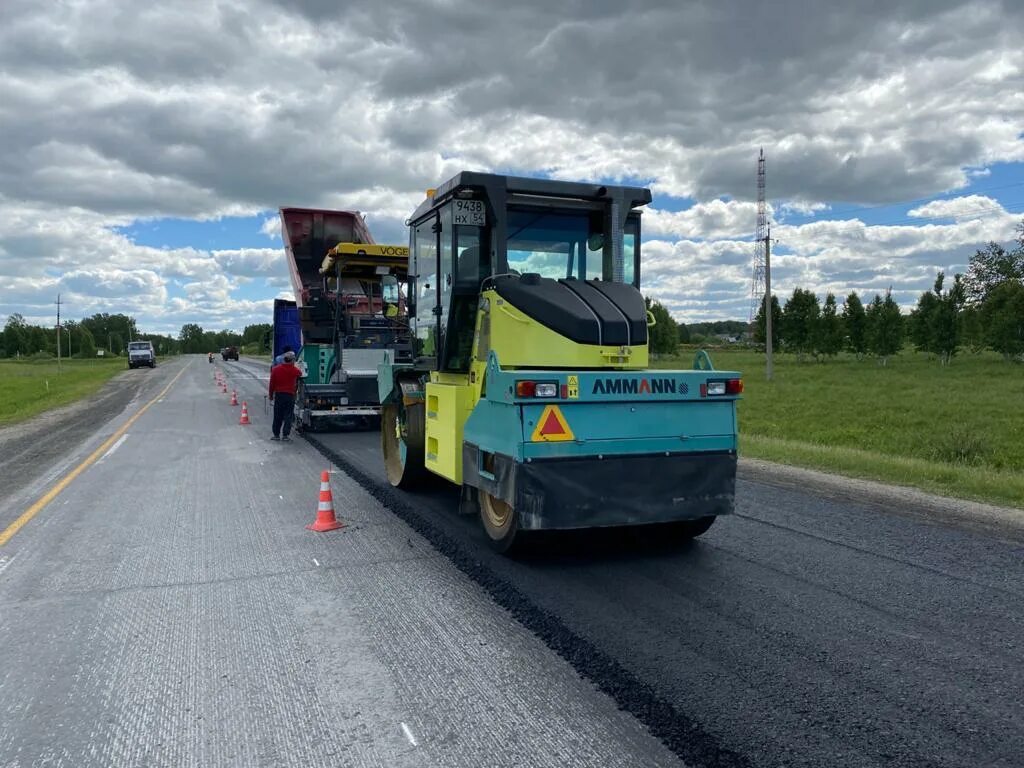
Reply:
x=702 y=361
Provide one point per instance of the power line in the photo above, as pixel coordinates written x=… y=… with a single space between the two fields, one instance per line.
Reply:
x=983 y=212
x=987 y=210
x=931 y=198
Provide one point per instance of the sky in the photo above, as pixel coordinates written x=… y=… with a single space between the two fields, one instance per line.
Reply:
x=146 y=147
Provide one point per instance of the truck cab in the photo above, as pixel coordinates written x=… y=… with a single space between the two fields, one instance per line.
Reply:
x=141 y=353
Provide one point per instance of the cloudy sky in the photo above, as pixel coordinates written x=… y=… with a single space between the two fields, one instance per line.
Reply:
x=145 y=147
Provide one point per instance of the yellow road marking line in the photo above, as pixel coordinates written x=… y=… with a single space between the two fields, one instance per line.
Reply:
x=51 y=494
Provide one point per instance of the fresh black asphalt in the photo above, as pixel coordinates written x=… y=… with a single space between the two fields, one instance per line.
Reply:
x=806 y=630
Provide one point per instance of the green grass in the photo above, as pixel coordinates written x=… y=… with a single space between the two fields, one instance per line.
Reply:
x=958 y=431
x=28 y=388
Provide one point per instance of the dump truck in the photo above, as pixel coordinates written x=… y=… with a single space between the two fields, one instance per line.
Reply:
x=341 y=322
x=530 y=385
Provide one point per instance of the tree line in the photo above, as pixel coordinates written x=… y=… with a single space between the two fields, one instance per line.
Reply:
x=111 y=333
x=78 y=338
x=979 y=310
x=194 y=339
x=805 y=327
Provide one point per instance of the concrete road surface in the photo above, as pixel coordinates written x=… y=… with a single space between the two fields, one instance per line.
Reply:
x=810 y=629
x=162 y=604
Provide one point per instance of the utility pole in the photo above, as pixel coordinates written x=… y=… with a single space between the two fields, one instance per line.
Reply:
x=757 y=287
x=58 y=333
x=768 y=303
x=761 y=285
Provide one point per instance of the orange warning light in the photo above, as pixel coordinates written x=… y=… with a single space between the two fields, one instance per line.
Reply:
x=552 y=427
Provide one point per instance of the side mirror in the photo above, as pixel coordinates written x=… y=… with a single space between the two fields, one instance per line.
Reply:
x=389 y=289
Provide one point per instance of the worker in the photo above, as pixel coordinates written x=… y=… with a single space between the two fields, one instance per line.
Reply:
x=283 y=381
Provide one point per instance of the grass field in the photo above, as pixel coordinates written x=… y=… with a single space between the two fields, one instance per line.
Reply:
x=31 y=387
x=958 y=431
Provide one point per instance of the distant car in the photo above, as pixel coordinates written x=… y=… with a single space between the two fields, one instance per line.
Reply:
x=141 y=353
x=229 y=353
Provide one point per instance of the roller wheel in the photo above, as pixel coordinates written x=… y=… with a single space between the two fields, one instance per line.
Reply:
x=403 y=454
x=501 y=523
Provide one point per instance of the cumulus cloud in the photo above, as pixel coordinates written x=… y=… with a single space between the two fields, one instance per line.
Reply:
x=966 y=207
x=711 y=279
x=800 y=208
x=271 y=227
x=115 y=110
x=715 y=219
x=251 y=262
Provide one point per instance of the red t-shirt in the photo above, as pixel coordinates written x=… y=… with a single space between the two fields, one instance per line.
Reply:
x=283 y=378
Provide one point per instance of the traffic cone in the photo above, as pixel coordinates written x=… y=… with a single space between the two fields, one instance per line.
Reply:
x=234 y=397
x=325 y=519
x=224 y=387
x=245 y=414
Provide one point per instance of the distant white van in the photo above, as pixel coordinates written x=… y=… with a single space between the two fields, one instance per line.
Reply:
x=141 y=353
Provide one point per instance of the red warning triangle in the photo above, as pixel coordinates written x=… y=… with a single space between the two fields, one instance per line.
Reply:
x=552 y=427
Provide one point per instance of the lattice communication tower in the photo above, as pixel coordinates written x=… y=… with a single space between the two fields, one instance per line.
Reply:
x=760 y=242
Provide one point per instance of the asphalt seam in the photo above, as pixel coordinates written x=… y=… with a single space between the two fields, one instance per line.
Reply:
x=679 y=732
x=882 y=556
x=100 y=593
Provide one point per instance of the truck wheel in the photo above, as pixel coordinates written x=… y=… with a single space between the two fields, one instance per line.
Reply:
x=403 y=456
x=501 y=523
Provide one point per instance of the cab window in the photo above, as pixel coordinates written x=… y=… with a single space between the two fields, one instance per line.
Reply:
x=425 y=254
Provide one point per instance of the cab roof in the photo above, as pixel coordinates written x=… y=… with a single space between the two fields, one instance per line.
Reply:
x=492 y=183
x=362 y=259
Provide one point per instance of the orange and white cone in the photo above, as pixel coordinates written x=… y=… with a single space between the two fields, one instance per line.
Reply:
x=245 y=414
x=325 y=519
x=234 y=397
x=224 y=387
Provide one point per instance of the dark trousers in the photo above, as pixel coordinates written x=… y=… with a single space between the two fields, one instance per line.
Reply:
x=284 y=413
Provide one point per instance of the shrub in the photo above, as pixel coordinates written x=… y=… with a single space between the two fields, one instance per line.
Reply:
x=961 y=446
